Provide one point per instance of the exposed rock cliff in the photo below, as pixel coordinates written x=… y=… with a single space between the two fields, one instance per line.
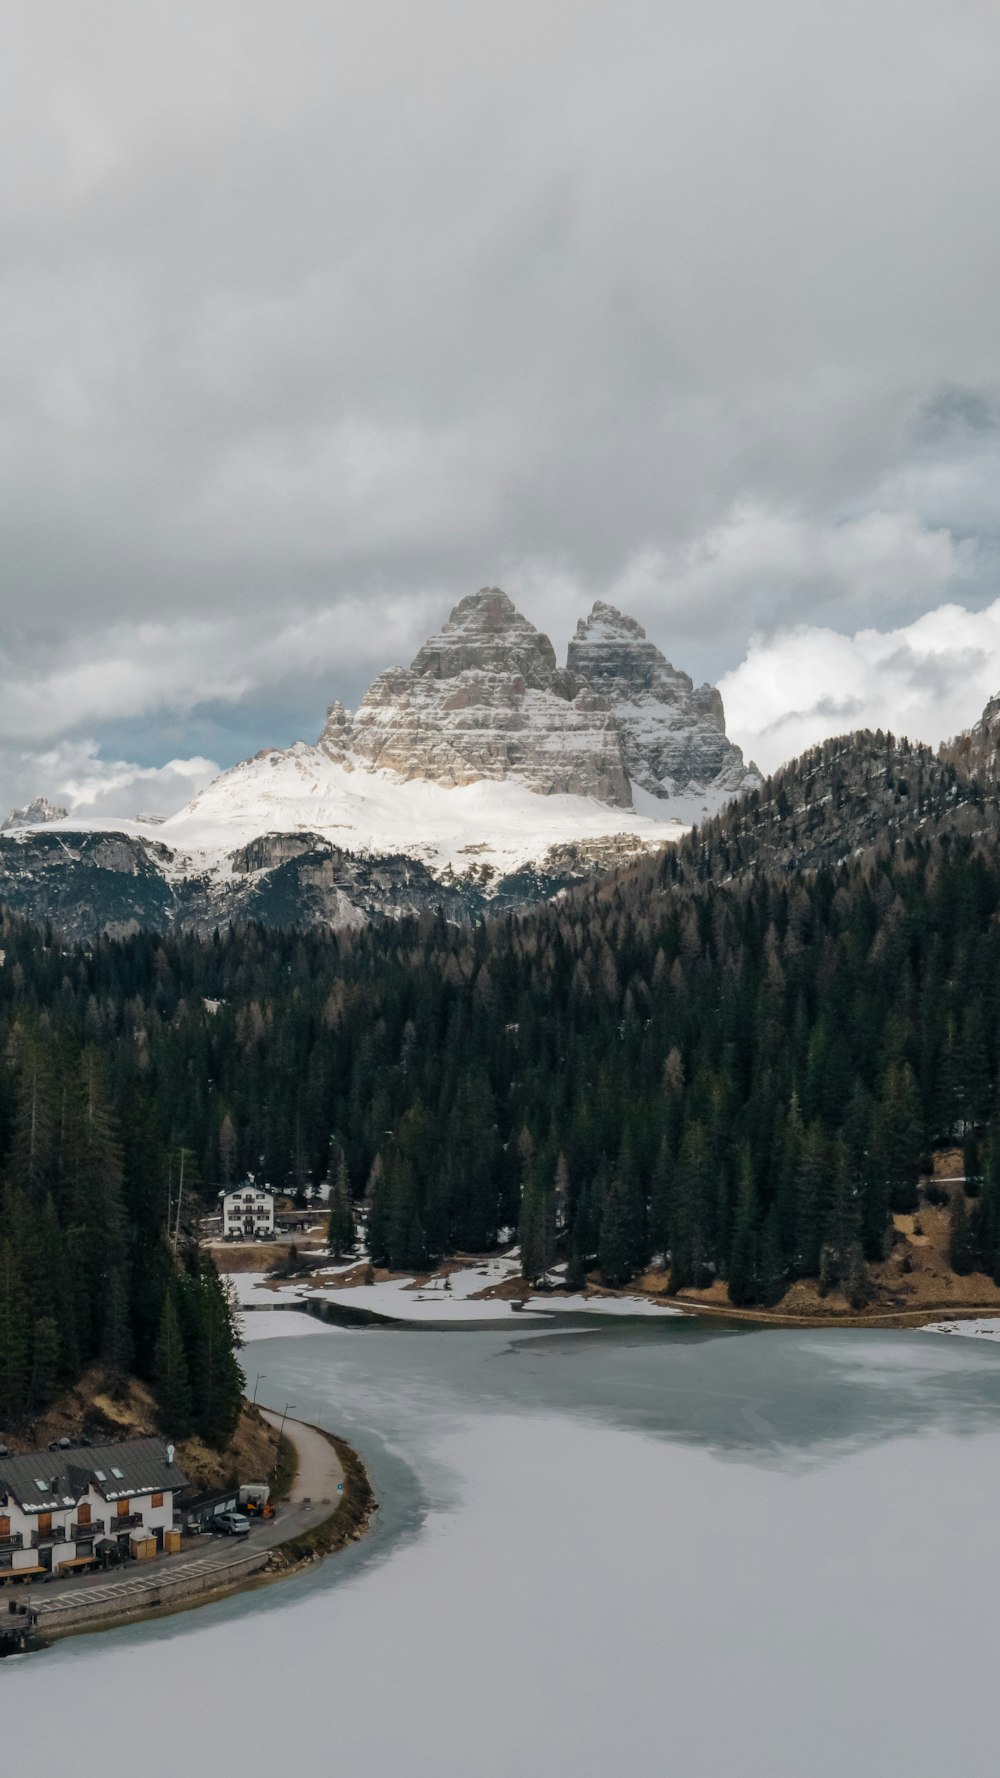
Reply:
x=673 y=733
x=483 y=700
x=35 y=814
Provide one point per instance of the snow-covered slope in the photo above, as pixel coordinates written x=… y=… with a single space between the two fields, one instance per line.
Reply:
x=451 y=829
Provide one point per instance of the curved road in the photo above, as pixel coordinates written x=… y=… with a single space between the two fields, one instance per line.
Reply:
x=319 y=1473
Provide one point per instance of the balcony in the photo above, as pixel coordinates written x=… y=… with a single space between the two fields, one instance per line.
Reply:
x=127 y=1522
x=15 y=1541
x=55 y=1534
x=95 y=1528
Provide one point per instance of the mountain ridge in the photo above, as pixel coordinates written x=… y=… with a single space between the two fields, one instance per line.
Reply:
x=482 y=775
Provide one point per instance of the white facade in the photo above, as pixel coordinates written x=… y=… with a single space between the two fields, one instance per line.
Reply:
x=247 y=1210
x=56 y=1505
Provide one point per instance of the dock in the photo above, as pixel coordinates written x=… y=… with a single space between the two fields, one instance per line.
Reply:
x=17 y=1626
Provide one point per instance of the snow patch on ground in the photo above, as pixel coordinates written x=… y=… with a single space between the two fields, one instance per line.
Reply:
x=401 y=1299
x=987 y=1327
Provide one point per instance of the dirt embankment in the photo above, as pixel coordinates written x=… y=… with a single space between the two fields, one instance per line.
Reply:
x=93 y=1411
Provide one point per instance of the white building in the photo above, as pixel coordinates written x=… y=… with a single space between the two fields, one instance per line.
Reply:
x=55 y=1506
x=247 y=1210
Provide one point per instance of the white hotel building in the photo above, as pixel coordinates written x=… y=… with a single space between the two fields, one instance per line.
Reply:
x=55 y=1506
x=247 y=1210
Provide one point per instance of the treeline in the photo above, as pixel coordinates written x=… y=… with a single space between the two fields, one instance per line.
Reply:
x=87 y=1270
x=743 y=1079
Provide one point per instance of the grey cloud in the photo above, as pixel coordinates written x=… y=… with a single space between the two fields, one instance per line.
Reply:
x=341 y=310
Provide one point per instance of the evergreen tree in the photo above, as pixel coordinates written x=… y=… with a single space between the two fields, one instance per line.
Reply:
x=743 y=1277
x=14 y=1335
x=341 y=1234
x=170 y=1378
x=961 y=1256
x=44 y=1382
x=537 y=1227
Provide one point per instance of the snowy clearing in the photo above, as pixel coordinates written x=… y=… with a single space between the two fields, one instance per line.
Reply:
x=401 y=1299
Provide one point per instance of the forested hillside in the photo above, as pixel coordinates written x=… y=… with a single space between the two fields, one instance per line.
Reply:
x=745 y=1078
x=857 y=793
x=87 y=1272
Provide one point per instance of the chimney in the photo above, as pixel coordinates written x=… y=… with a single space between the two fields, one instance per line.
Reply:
x=170 y=1454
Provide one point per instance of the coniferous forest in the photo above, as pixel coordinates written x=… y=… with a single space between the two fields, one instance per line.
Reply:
x=744 y=1079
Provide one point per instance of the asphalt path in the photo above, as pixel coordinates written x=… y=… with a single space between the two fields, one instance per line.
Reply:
x=319 y=1473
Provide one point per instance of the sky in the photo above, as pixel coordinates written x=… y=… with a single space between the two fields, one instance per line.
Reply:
x=316 y=317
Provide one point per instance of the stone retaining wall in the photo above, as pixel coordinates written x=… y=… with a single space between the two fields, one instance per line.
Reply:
x=136 y=1597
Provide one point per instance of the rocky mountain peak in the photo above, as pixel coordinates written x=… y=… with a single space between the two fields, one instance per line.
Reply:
x=36 y=812
x=484 y=698
x=674 y=733
x=977 y=751
x=487 y=634
x=613 y=653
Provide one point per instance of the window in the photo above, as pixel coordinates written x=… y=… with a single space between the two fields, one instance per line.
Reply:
x=157 y=1500
x=119 y=1474
x=99 y=1473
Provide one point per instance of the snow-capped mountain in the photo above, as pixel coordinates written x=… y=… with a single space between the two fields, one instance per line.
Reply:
x=482 y=773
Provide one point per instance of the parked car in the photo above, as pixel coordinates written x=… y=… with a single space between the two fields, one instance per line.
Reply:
x=232 y=1524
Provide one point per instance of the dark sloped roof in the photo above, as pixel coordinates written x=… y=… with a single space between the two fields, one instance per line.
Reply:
x=21 y=1477
x=65 y=1474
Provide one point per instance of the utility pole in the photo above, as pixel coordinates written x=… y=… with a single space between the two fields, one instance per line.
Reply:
x=281 y=1434
x=180 y=1195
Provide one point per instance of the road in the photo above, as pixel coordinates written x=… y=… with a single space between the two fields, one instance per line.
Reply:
x=319 y=1474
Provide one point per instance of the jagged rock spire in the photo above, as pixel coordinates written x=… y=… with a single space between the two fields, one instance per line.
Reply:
x=484 y=699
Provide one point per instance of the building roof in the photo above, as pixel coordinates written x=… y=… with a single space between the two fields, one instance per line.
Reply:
x=47 y=1481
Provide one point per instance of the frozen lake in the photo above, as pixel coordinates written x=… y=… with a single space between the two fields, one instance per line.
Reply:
x=637 y=1545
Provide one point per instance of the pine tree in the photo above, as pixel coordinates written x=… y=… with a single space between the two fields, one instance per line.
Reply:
x=171 y=1380
x=341 y=1234
x=14 y=1335
x=689 y=1251
x=210 y=1341
x=961 y=1257
x=118 y=1346
x=773 y=1272
x=744 y=1283
x=536 y=1231
x=44 y=1382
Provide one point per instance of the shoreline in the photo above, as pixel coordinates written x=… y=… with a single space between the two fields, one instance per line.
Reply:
x=349 y=1521
x=891 y=1318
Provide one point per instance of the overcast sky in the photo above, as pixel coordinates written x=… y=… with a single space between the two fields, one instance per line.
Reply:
x=317 y=316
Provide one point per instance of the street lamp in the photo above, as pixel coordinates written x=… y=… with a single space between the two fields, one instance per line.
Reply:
x=261 y=1377
x=281 y=1434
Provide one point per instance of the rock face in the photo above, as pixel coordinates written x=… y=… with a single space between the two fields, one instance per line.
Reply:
x=39 y=810
x=485 y=699
x=674 y=734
